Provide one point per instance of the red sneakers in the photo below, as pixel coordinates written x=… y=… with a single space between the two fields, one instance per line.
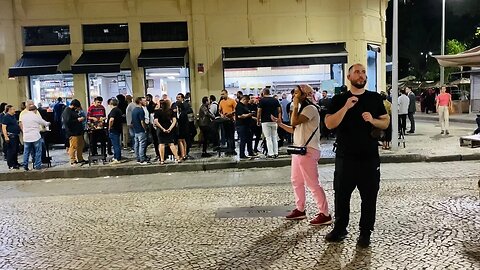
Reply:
x=296 y=215
x=321 y=219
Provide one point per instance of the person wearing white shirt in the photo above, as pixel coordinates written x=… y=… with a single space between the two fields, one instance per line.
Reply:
x=403 y=104
x=30 y=123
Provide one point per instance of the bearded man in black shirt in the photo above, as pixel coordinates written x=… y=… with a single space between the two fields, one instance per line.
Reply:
x=356 y=115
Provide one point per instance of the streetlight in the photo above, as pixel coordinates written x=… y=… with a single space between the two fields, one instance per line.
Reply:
x=442 y=69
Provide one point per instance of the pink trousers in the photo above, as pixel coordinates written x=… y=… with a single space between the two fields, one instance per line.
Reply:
x=305 y=173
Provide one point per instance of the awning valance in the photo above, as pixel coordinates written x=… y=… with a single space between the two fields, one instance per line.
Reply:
x=287 y=55
x=163 y=58
x=40 y=63
x=470 y=58
x=100 y=62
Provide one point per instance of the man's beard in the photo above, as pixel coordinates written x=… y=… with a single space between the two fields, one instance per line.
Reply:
x=359 y=85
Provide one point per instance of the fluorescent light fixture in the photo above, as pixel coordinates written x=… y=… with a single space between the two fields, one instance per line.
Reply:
x=153 y=74
x=171 y=77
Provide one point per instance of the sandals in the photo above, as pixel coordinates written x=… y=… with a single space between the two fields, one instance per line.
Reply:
x=162 y=162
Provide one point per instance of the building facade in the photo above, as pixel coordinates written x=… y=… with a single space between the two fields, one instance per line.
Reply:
x=83 y=48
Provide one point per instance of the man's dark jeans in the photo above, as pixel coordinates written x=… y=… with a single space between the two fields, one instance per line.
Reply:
x=12 y=150
x=245 y=135
x=412 y=121
x=116 y=144
x=229 y=127
x=349 y=174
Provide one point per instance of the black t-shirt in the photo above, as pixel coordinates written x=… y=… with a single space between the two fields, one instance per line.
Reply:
x=269 y=106
x=242 y=109
x=117 y=116
x=12 y=124
x=353 y=133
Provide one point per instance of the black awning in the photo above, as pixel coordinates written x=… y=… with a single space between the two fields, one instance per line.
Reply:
x=38 y=63
x=288 y=55
x=99 y=62
x=163 y=58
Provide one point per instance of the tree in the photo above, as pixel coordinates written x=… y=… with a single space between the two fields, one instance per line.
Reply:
x=454 y=47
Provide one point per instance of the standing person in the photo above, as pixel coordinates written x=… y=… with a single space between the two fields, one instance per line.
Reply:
x=205 y=118
x=244 y=120
x=96 y=115
x=267 y=107
x=214 y=110
x=115 y=130
x=388 y=132
x=443 y=103
x=151 y=106
x=123 y=102
x=227 y=113
x=74 y=127
x=2 y=114
x=57 y=119
x=140 y=130
x=412 y=107
x=324 y=104
x=128 y=116
x=31 y=122
x=165 y=121
x=403 y=105
x=183 y=128
x=284 y=135
x=256 y=130
x=11 y=131
x=305 y=122
x=357 y=164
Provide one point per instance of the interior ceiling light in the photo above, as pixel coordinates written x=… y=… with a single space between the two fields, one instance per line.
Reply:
x=171 y=77
x=163 y=74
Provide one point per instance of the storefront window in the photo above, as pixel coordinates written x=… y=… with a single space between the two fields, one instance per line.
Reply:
x=373 y=64
x=108 y=85
x=45 y=89
x=280 y=79
x=170 y=81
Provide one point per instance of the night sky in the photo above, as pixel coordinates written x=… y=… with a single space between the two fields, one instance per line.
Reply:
x=420 y=27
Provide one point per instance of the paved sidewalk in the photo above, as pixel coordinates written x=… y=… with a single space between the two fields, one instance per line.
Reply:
x=425 y=145
x=467 y=118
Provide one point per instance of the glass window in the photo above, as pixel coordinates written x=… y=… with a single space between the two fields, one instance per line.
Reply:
x=108 y=85
x=165 y=31
x=45 y=89
x=170 y=81
x=280 y=79
x=373 y=60
x=105 y=33
x=46 y=35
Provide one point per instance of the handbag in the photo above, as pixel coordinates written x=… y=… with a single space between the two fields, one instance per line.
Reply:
x=300 y=150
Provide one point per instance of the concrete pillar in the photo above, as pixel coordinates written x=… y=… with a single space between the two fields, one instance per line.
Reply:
x=76 y=47
x=135 y=44
x=12 y=91
x=199 y=54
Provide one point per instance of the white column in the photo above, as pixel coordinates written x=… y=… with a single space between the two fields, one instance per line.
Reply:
x=395 y=77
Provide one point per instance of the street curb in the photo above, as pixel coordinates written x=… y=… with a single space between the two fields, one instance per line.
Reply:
x=106 y=170
x=455 y=120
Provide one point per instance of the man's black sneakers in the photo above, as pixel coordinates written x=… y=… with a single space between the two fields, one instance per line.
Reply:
x=363 y=240
x=335 y=236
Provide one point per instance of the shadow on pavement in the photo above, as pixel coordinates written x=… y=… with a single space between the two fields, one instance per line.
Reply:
x=330 y=258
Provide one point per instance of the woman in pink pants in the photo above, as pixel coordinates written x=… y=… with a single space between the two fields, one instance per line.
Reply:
x=305 y=121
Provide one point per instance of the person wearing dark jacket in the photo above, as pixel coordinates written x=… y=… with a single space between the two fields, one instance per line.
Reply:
x=205 y=118
x=412 y=107
x=74 y=128
x=11 y=131
x=244 y=122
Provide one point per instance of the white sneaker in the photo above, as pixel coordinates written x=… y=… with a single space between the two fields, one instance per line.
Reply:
x=145 y=163
x=114 y=161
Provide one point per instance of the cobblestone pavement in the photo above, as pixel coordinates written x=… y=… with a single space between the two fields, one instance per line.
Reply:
x=428 y=218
